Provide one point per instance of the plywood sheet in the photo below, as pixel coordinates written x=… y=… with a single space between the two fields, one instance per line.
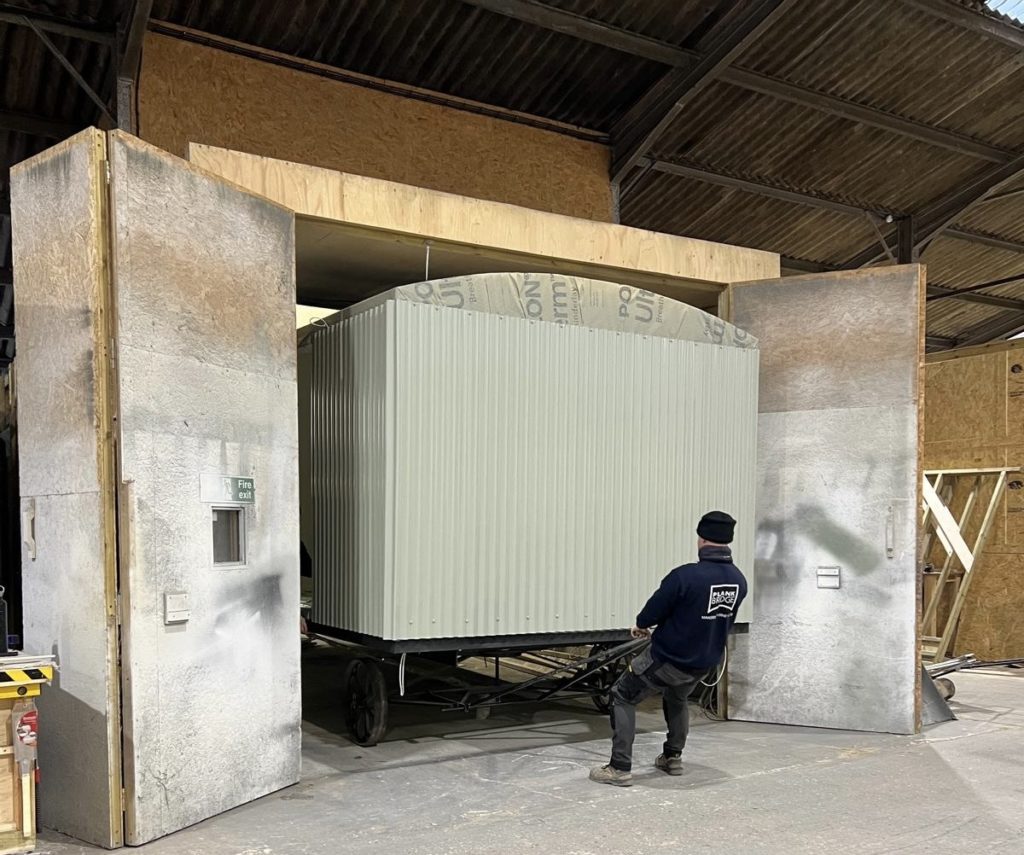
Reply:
x=585 y=248
x=838 y=476
x=10 y=782
x=289 y=114
x=958 y=454
x=965 y=401
x=974 y=408
x=10 y=803
x=1013 y=374
x=992 y=623
x=59 y=236
x=206 y=361
x=1013 y=516
x=979 y=350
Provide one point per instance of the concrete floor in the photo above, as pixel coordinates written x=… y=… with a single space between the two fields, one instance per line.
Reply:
x=517 y=783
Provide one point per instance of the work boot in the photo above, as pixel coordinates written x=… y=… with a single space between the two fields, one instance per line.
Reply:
x=669 y=765
x=610 y=775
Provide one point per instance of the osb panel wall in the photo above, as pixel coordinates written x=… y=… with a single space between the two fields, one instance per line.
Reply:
x=191 y=93
x=974 y=418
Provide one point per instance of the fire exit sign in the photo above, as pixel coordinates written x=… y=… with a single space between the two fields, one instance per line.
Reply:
x=228 y=489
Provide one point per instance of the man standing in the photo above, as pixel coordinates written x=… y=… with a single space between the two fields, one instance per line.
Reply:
x=693 y=610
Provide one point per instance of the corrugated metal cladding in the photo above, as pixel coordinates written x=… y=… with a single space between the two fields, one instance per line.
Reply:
x=350 y=418
x=485 y=475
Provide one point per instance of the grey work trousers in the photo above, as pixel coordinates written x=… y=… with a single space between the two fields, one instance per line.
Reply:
x=645 y=678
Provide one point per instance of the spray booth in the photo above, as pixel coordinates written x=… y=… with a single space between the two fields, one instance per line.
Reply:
x=489 y=456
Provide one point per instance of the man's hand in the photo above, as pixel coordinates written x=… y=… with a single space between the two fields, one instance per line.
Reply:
x=636 y=632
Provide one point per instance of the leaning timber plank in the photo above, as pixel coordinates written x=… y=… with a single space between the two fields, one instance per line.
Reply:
x=979 y=545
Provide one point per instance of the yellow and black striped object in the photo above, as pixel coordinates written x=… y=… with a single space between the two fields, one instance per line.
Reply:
x=23 y=682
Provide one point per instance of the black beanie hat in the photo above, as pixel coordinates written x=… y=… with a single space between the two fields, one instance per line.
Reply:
x=716 y=526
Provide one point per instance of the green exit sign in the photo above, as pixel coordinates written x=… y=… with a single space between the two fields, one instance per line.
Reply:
x=231 y=490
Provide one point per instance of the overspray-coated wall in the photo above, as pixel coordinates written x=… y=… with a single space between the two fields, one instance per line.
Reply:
x=478 y=475
x=156 y=307
x=67 y=479
x=205 y=293
x=838 y=479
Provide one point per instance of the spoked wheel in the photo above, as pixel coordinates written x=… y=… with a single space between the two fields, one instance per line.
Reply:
x=366 y=701
x=605 y=678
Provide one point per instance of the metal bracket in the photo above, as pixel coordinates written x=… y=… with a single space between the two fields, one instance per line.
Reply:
x=881 y=238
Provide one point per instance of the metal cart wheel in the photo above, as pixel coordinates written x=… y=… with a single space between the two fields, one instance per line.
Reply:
x=605 y=679
x=366 y=701
x=946 y=687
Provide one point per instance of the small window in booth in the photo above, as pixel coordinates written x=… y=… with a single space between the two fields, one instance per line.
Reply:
x=228 y=536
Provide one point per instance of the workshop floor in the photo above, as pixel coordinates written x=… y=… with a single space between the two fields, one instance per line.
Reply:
x=517 y=783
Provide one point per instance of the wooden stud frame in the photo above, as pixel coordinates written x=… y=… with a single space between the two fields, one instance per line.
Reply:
x=939 y=524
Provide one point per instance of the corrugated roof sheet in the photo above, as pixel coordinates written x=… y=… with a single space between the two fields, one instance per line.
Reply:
x=1012 y=10
x=446 y=45
x=893 y=56
x=733 y=130
x=675 y=204
x=34 y=82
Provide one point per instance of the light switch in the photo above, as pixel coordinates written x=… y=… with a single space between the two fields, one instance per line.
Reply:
x=828 y=577
x=176 y=609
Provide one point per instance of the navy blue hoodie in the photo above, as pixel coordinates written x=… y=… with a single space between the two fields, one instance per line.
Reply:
x=694 y=609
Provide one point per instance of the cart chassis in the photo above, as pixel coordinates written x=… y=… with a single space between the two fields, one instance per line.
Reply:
x=552 y=672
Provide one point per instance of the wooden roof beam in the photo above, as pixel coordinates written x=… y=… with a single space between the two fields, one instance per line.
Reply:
x=936 y=217
x=941 y=214
x=70 y=68
x=37 y=125
x=788 y=263
x=802 y=265
x=938 y=342
x=746 y=185
x=588 y=30
x=991 y=330
x=984 y=239
x=708 y=176
x=976 y=22
x=58 y=26
x=130 y=36
x=1005 y=194
x=850 y=110
x=637 y=130
x=938 y=292
x=597 y=32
